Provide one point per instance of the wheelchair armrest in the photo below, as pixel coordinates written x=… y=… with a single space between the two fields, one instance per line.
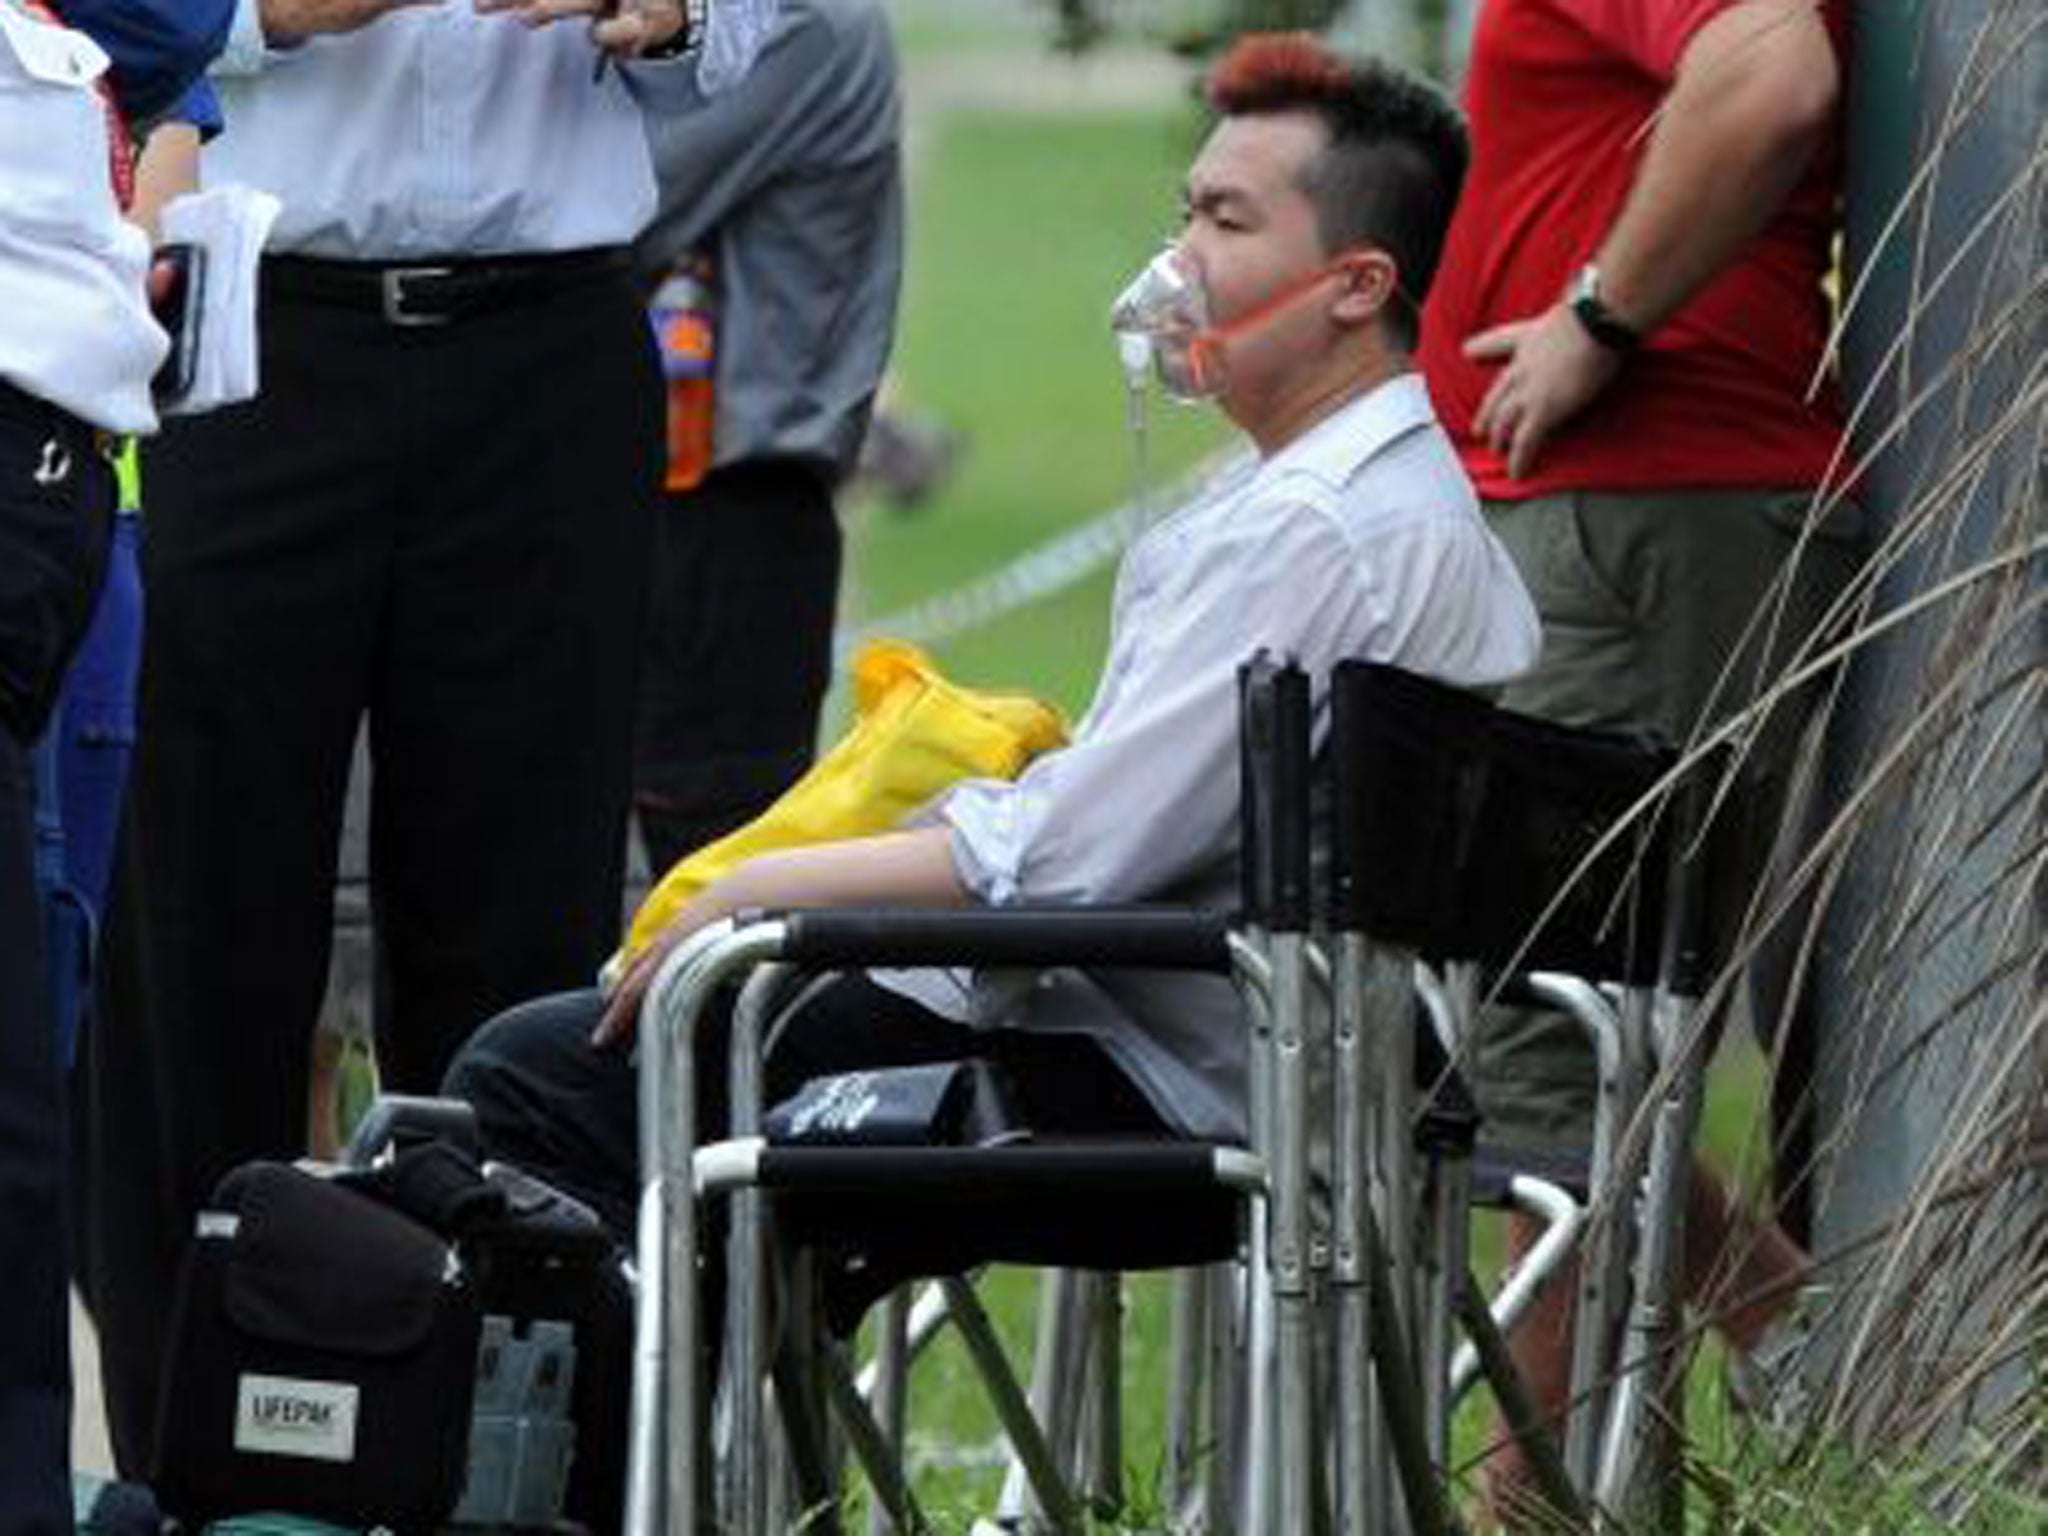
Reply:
x=1168 y=938
x=986 y=1174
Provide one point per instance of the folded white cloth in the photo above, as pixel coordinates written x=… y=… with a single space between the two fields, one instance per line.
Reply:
x=229 y=224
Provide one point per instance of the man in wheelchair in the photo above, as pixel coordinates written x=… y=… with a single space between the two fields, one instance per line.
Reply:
x=1314 y=215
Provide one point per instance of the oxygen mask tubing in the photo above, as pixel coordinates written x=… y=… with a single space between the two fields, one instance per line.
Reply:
x=1157 y=321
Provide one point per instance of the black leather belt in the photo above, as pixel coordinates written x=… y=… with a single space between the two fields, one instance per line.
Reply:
x=430 y=292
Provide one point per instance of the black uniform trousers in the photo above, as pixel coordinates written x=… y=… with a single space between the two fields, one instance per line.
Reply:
x=56 y=506
x=739 y=649
x=444 y=526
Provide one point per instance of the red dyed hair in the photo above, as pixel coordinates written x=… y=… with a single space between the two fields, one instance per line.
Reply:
x=1272 y=71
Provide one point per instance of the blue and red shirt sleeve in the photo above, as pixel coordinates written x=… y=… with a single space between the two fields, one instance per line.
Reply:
x=159 y=49
x=200 y=107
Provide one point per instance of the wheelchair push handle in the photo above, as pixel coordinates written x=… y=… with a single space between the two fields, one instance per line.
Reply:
x=1274 y=765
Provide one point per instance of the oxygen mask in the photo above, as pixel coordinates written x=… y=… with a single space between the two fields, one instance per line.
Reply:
x=1162 y=326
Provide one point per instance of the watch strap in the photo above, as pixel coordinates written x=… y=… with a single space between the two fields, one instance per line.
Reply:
x=1601 y=323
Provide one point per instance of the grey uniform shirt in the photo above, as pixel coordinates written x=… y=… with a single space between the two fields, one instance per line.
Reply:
x=1362 y=538
x=792 y=181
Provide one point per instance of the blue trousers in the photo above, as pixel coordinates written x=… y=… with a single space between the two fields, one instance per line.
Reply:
x=96 y=716
x=56 y=499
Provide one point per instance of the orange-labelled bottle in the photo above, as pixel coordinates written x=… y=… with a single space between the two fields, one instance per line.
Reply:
x=685 y=315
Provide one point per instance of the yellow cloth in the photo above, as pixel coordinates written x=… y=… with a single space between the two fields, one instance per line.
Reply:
x=914 y=733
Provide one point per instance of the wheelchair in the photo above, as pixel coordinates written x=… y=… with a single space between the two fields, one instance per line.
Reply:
x=1471 y=854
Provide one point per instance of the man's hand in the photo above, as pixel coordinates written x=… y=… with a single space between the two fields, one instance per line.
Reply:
x=907 y=869
x=162 y=279
x=622 y=28
x=622 y=1008
x=636 y=26
x=293 y=21
x=1551 y=370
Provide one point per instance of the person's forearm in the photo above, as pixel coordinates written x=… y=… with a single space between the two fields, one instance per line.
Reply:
x=1755 y=92
x=168 y=168
x=897 y=869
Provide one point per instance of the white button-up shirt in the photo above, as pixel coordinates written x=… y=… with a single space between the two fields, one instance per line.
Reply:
x=1362 y=538
x=434 y=132
x=75 y=329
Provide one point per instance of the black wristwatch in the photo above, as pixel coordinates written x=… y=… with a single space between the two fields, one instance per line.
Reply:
x=689 y=36
x=1601 y=323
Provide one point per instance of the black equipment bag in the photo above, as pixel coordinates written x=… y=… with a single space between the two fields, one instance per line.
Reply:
x=323 y=1358
x=541 y=1262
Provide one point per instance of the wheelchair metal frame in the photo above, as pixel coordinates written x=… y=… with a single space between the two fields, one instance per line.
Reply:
x=1389 y=1286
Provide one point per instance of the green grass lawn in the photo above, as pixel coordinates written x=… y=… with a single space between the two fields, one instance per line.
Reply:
x=930 y=26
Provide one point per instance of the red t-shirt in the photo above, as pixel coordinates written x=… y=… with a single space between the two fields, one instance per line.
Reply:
x=1562 y=96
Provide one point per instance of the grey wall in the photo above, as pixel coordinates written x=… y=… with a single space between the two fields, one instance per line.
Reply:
x=1930 y=976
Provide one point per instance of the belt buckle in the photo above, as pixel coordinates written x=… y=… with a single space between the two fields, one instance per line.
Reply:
x=396 y=311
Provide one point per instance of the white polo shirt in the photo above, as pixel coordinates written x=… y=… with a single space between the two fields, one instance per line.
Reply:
x=75 y=327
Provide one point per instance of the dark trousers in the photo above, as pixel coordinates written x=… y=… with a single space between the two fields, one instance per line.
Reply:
x=738 y=653
x=56 y=499
x=549 y=1102
x=444 y=529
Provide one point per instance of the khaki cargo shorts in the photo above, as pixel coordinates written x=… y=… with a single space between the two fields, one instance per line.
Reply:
x=1647 y=601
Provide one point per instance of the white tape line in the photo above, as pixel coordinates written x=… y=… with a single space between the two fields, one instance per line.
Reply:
x=1063 y=561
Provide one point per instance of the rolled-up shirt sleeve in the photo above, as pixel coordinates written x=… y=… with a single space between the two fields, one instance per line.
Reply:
x=1147 y=793
x=1148 y=790
x=1362 y=541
